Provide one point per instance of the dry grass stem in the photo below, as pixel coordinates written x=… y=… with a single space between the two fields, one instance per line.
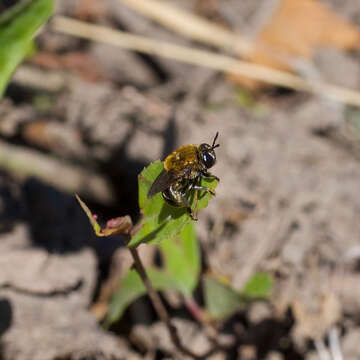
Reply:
x=334 y=344
x=197 y=28
x=34 y=78
x=24 y=163
x=203 y=58
x=207 y=32
x=321 y=350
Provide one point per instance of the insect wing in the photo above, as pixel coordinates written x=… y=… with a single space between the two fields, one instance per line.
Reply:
x=162 y=182
x=166 y=179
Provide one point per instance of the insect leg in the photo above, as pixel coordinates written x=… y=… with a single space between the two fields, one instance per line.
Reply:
x=186 y=204
x=204 y=188
x=191 y=214
x=209 y=175
x=196 y=182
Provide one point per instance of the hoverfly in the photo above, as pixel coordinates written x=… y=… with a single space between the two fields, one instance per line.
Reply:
x=183 y=170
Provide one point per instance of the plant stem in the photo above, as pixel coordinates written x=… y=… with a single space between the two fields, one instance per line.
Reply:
x=201 y=317
x=162 y=312
x=124 y=226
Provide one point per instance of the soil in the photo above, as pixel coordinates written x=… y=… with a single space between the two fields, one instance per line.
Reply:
x=288 y=201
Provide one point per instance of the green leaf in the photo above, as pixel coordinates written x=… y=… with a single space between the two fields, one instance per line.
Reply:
x=132 y=287
x=17 y=30
x=182 y=259
x=162 y=221
x=353 y=117
x=259 y=286
x=220 y=298
x=180 y=273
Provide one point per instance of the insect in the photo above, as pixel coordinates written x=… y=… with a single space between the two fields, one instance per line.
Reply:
x=183 y=170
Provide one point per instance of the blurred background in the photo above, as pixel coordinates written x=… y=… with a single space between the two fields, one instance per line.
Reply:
x=89 y=108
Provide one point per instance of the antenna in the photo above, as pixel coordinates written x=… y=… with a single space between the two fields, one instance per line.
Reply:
x=213 y=146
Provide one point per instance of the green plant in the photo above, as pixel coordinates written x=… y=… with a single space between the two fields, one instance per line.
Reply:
x=18 y=26
x=174 y=232
x=257 y=288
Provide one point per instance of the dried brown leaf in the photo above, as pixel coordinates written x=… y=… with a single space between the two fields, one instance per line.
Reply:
x=119 y=225
x=296 y=29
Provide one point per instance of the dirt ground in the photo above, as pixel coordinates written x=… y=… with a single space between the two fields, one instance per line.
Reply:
x=288 y=201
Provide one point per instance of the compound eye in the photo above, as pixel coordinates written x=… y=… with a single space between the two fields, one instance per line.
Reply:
x=209 y=159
